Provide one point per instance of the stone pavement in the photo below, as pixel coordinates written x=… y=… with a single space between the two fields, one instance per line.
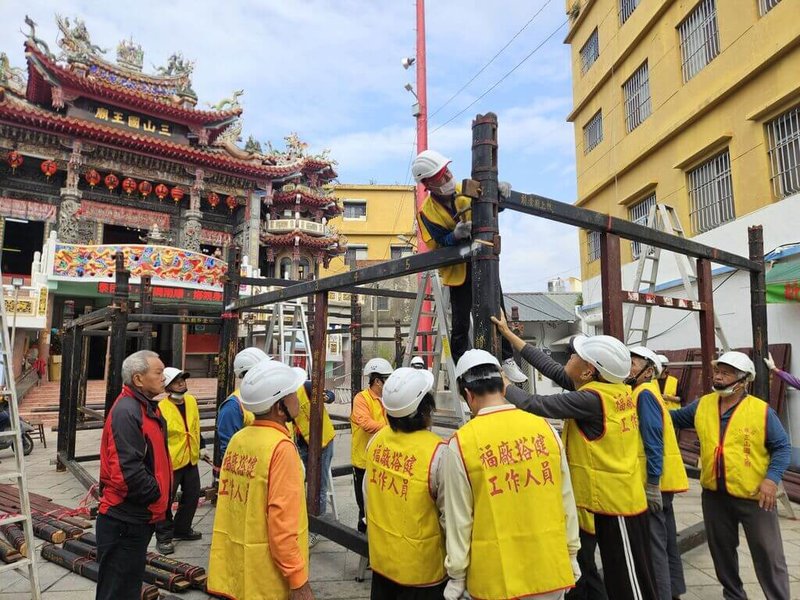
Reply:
x=333 y=569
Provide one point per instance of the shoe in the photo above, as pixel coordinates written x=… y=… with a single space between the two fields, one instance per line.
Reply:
x=190 y=535
x=165 y=547
x=513 y=372
x=313 y=539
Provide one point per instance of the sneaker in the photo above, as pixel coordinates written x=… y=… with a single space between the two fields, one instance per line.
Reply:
x=190 y=535
x=165 y=547
x=513 y=372
x=313 y=539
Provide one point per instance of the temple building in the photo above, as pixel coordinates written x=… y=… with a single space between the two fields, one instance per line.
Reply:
x=97 y=156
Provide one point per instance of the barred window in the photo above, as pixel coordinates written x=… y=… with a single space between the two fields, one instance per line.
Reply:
x=593 y=132
x=626 y=8
x=637 y=97
x=593 y=245
x=590 y=52
x=699 y=38
x=783 y=135
x=711 y=194
x=355 y=209
x=767 y=5
x=638 y=213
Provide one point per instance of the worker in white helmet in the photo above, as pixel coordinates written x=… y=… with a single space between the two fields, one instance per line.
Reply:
x=512 y=527
x=367 y=418
x=232 y=414
x=665 y=474
x=404 y=493
x=602 y=439
x=445 y=219
x=259 y=545
x=668 y=384
x=744 y=451
x=418 y=363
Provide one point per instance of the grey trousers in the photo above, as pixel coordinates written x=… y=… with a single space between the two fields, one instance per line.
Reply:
x=667 y=566
x=722 y=514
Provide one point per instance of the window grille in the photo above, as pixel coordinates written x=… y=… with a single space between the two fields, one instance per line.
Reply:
x=699 y=38
x=593 y=132
x=637 y=98
x=354 y=210
x=626 y=8
x=783 y=134
x=711 y=194
x=590 y=52
x=638 y=213
x=593 y=245
x=380 y=303
x=765 y=6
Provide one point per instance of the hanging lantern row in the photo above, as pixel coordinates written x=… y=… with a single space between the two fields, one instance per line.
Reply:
x=129 y=186
x=92 y=177
x=177 y=194
x=14 y=160
x=49 y=168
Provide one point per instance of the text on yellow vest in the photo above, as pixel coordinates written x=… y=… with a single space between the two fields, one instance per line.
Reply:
x=439 y=215
x=358 y=449
x=605 y=471
x=406 y=542
x=183 y=438
x=742 y=450
x=303 y=419
x=513 y=462
x=240 y=564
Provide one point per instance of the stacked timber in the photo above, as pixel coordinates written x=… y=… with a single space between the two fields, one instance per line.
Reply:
x=16 y=537
x=8 y=554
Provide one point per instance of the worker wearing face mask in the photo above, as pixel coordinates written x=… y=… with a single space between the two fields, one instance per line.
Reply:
x=744 y=451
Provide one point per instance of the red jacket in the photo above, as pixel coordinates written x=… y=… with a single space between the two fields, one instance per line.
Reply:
x=135 y=468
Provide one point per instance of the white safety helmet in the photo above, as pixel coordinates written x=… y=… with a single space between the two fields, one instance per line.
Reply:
x=474 y=358
x=247 y=359
x=663 y=359
x=607 y=354
x=404 y=390
x=417 y=362
x=268 y=382
x=171 y=374
x=380 y=366
x=427 y=164
x=648 y=354
x=739 y=361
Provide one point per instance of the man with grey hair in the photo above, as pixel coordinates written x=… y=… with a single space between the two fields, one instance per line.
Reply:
x=135 y=478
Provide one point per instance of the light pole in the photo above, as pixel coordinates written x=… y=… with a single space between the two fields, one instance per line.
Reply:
x=17 y=283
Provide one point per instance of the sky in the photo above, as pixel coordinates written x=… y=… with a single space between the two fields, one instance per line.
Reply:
x=330 y=71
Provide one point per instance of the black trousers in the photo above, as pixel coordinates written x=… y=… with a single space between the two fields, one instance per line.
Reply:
x=590 y=585
x=358 y=482
x=188 y=479
x=625 y=551
x=386 y=589
x=121 y=550
x=461 y=307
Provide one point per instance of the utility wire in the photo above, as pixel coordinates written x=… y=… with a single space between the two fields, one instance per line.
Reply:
x=491 y=60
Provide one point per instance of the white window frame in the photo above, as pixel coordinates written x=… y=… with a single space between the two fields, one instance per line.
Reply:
x=590 y=51
x=783 y=143
x=710 y=186
x=626 y=8
x=636 y=91
x=354 y=202
x=764 y=6
x=699 y=35
x=593 y=132
x=592 y=246
x=638 y=213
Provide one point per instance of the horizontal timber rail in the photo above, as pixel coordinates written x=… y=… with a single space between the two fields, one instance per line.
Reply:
x=539 y=206
x=354 y=289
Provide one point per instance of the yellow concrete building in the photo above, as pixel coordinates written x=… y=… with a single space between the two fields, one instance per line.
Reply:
x=378 y=221
x=690 y=103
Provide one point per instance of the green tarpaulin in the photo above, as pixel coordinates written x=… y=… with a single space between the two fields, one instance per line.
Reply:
x=783 y=281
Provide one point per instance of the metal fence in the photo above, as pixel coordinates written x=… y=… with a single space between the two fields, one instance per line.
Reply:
x=699 y=38
x=638 y=214
x=711 y=194
x=593 y=132
x=783 y=134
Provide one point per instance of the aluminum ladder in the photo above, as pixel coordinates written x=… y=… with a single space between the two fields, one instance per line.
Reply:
x=9 y=395
x=292 y=334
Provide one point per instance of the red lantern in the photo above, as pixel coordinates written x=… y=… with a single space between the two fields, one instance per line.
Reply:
x=49 y=168
x=177 y=194
x=145 y=187
x=92 y=177
x=213 y=200
x=231 y=202
x=111 y=181
x=161 y=191
x=129 y=185
x=15 y=160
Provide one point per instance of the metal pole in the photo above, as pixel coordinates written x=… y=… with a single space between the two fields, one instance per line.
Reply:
x=611 y=284
x=758 y=312
x=318 y=349
x=705 y=293
x=485 y=235
x=119 y=326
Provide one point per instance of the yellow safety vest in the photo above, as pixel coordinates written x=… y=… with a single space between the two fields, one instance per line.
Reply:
x=586 y=521
x=302 y=421
x=406 y=543
x=673 y=474
x=513 y=462
x=183 y=438
x=671 y=389
x=358 y=449
x=240 y=564
x=742 y=450
x=603 y=469
x=437 y=214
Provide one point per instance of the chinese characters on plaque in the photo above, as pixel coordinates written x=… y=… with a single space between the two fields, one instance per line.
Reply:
x=131 y=121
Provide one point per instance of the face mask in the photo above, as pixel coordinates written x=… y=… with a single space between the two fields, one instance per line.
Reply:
x=631 y=381
x=289 y=417
x=446 y=189
x=177 y=395
x=726 y=391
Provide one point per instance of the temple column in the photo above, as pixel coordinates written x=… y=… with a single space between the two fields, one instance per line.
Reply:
x=68 y=225
x=190 y=233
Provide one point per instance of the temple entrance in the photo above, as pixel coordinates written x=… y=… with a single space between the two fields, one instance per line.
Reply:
x=21 y=239
x=119 y=234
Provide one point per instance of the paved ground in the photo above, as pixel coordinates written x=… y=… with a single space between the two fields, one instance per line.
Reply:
x=333 y=569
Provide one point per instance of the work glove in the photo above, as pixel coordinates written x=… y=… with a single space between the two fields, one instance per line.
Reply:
x=770 y=362
x=504 y=188
x=654 y=500
x=204 y=454
x=456 y=590
x=463 y=230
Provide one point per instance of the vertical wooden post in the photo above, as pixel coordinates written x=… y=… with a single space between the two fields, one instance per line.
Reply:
x=611 y=284
x=356 y=367
x=398 y=345
x=146 y=307
x=119 y=327
x=485 y=235
x=758 y=312
x=319 y=351
x=84 y=371
x=65 y=395
x=708 y=344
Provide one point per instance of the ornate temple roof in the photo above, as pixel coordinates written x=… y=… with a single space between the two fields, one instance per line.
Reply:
x=328 y=243
x=294 y=194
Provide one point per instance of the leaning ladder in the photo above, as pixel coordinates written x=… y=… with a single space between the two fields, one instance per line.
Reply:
x=9 y=394
x=663 y=218
x=293 y=334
